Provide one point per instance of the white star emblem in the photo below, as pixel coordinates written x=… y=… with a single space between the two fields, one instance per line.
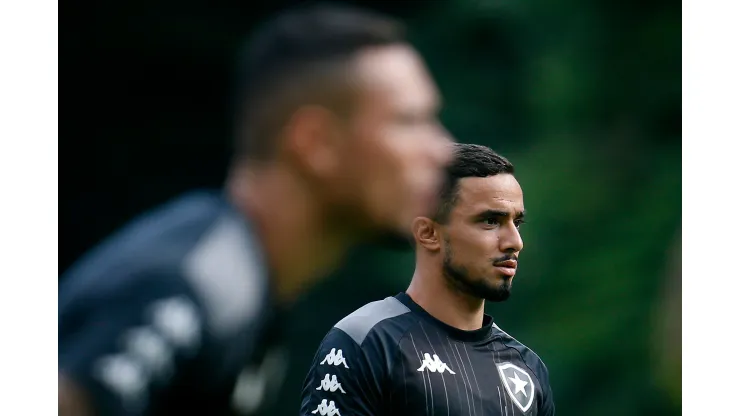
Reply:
x=519 y=383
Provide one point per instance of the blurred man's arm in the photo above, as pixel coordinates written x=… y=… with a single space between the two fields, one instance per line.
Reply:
x=343 y=377
x=120 y=344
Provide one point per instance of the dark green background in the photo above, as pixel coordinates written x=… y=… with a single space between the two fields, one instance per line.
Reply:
x=583 y=96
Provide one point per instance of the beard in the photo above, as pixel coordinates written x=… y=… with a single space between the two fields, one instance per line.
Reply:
x=459 y=278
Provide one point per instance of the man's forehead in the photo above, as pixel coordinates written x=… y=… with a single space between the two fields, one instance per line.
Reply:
x=398 y=74
x=499 y=191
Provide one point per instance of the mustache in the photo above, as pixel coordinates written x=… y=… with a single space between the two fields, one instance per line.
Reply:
x=505 y=258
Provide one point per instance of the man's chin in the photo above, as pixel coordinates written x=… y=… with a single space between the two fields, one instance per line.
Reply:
x=492 y=292
x=498 y=296
x=497 y=292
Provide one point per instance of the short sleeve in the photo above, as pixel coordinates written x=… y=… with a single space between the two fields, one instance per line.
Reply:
x=343 y=379
x=548 y=402
x=123 y=343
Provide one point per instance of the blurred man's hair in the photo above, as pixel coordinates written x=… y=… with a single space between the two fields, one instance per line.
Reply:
x=302 y=57
x=470 y=160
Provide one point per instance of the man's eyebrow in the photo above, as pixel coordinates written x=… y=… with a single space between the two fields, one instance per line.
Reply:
x=494 y=213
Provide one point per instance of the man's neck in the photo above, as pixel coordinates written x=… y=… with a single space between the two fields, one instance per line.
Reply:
x=299 y=242
x=429 y=290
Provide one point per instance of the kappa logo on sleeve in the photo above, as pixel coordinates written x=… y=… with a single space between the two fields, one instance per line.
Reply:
x=330 y=384
x=335 y=357
x=325 y=409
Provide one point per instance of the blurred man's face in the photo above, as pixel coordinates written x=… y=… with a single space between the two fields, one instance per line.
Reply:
x=481 y=241
x=395 y=158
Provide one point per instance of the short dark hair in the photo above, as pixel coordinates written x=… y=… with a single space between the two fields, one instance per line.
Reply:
x=292 y=59
x=470 y=160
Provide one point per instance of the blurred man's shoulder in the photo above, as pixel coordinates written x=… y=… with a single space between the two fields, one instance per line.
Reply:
x=195 y=244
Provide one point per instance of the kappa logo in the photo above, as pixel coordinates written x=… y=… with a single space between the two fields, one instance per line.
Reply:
x=178 y=320
x=435 y=365
x=327 y=409
x=518 y=384
x=330 y=384
x=257 y=381
x=124 y=375
x=148 y=351
x=335 y=358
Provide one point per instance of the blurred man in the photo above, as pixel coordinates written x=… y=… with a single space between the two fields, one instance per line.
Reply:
x=337 y=140
x=432 y=350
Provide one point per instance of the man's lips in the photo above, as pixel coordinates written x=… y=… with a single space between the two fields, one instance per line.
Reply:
x=506 y=267
x=506 y=263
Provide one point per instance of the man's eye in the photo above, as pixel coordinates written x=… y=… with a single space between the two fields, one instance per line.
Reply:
x=518 y=223
x=490 y=221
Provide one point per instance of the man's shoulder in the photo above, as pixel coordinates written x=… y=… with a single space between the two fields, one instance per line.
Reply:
x=193 y=246
x=366 y=338
x=530 y=358
x=386 y=319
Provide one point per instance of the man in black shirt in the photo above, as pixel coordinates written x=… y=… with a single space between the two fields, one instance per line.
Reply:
x=432 y=350
x=337 y=141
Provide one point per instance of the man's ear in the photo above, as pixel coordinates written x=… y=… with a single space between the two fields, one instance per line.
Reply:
x=310 y=139
x=426 y=233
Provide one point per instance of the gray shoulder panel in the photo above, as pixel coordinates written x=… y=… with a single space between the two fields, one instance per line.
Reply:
x=359 y=323
x=226 y=270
